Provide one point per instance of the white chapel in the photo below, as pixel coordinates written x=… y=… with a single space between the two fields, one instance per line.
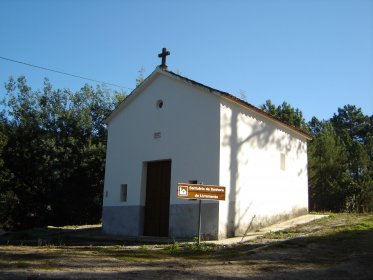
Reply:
x=172 y=130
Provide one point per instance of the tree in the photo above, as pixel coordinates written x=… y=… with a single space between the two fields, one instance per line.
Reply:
x=286 y=113
x=356 y=131
x=54 y=154
x=242 y=94
x=350 y=121
x=140 y=78
x=329 y=182
x=340 y=162
x=5 y=196
x=340 y=157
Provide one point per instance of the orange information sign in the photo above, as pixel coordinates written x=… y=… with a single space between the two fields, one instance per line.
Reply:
x=197 y=191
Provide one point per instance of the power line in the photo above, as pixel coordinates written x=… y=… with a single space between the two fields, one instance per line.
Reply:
x=63 y=73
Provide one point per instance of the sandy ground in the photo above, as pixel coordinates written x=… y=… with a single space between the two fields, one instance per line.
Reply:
x=304 y=219
x=341 y=255
x=275 y=263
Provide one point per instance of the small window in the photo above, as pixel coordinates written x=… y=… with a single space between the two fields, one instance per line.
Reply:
x=159 y=104
x=283 y=162
x=157 y=135
x=106 y=194
x=123 y=192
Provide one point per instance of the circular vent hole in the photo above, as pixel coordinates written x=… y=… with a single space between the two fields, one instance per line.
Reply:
x=159 y=104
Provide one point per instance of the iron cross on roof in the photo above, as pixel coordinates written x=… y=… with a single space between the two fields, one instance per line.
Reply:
x=163 y=55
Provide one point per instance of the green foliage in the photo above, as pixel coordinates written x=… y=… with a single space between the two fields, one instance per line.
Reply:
x=190 y=249
x=173 y=248
x=140 y=77
x=53 y=142
x=195 y=247
x=340 y=157
x=242 y=94
x=286 y=113
x=340 y=162
x=328 y=177
x=52 y=151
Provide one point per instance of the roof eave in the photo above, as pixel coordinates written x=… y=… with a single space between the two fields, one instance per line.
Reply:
x=247 y=105
x=132 y=95
x=268 y=116
x=158 y=70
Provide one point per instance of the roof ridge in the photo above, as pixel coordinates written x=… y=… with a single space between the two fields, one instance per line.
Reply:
x=241 y=102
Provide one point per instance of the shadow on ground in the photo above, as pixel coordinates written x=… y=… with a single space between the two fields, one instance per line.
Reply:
x=74 y=236
x=344 y=254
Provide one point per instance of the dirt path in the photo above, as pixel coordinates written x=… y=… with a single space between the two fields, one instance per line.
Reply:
x=337 y=248
x=273 y=262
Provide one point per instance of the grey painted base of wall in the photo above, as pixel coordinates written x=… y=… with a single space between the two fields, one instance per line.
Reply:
x=183 y=223
x=123 y=220
x=263 y=221
x=184 y=220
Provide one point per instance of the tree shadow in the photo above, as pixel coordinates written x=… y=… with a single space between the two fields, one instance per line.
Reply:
x=87 y=236
x=341 y=255
x=261 y=134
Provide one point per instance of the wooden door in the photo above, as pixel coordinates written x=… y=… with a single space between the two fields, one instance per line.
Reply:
x=157 y=201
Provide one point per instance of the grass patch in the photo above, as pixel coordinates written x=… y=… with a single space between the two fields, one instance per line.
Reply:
x=327 y=227
x=138 y=255
x=283 y=234
x=22 y=264
x=49 y=265
x=29 y=264
x=186 y=251
x=339 y=237
x=190 y=250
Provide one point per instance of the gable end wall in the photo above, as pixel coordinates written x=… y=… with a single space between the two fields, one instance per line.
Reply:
x=260 y=192
x=188 y=124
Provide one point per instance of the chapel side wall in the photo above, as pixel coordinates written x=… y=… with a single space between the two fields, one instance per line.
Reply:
x=189 y=127
x=260 y=192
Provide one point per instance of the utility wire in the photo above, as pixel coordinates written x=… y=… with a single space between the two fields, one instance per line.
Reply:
x=63 y=73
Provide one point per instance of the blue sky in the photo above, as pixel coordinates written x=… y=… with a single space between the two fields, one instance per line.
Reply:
x=315 y=55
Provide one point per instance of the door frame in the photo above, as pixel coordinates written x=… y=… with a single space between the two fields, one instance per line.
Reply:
x=145 y=190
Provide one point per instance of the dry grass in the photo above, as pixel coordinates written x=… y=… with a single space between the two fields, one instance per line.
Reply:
x=338 y=247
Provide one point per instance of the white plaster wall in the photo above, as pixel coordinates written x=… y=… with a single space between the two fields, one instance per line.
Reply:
x=250 y=156
x=189 y=126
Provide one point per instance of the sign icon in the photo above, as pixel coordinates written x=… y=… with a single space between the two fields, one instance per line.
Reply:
x=182 y=190
x=198 y=191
